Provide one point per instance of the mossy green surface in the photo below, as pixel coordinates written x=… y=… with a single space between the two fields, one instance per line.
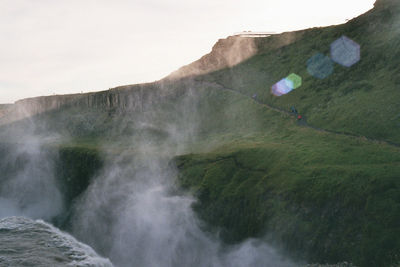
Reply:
x=362 y=99
x=322 y=201
x=75 y=168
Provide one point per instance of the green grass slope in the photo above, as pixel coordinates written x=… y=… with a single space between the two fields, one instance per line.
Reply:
x=361 y=100
x=323 y=198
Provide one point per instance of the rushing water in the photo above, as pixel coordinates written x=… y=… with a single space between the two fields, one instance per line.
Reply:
x=25 y=242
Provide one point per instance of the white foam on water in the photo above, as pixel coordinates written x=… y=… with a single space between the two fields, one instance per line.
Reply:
x=39 y=235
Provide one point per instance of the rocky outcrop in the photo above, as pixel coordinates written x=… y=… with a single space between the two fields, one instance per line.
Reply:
x=225 y=53
x=132 y=97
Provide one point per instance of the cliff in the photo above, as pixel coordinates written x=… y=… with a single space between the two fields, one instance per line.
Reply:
x=231 y=51
x=226 y=53
x=123 y=98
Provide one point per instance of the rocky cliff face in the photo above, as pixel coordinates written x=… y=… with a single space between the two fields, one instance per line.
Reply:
x=226 y=53
x=124 y=98
x=233 y=50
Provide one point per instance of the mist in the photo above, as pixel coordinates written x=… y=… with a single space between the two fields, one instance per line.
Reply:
x=135 y=214
x=28 y=181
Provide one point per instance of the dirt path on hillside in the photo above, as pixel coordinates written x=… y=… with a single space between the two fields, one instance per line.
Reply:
x=303 y=121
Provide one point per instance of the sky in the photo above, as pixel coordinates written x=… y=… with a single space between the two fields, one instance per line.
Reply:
x=72 y=46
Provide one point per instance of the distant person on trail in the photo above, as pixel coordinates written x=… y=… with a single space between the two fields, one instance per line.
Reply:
x=293 y=110
x=299 y=117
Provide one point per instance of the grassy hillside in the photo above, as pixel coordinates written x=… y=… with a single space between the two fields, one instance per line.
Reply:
x=324 y=198
x=362 y=99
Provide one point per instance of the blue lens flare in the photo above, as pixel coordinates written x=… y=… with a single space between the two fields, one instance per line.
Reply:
x=320 y=66
x=345 y=51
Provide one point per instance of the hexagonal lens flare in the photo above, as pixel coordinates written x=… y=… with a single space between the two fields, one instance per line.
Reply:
x=345 y=51
x=320 y=66
x=282 y=87
x=295 y=80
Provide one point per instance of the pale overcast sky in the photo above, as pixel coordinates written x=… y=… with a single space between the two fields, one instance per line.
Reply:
x=68 y=46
